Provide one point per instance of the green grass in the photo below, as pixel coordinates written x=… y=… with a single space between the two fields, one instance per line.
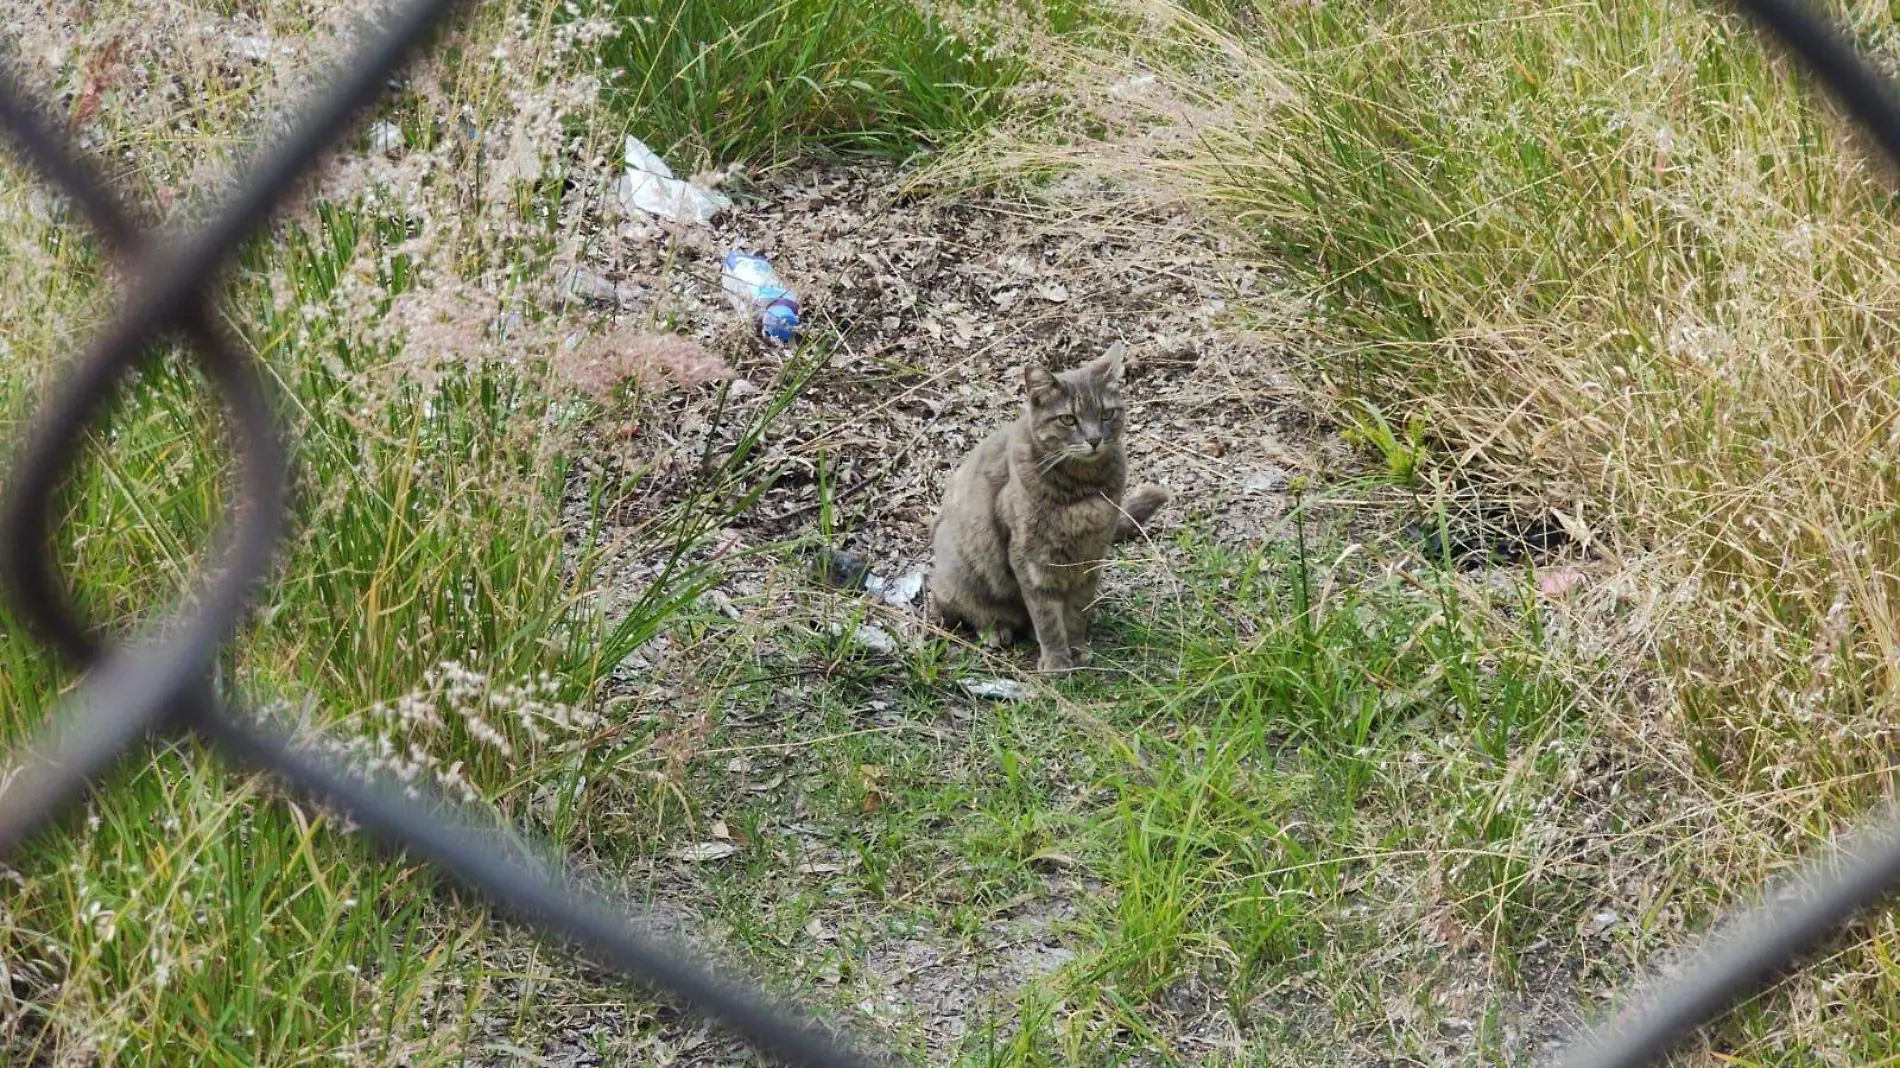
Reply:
x=1240 y=795
x=713 y=82
x=184 y=916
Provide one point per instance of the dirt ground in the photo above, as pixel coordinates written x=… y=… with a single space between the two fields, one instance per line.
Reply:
x=931 y=307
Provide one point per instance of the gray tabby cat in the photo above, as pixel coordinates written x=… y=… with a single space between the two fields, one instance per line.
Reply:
x=1028 y=519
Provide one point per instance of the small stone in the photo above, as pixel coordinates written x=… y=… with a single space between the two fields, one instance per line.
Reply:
x=1269 y=479
x=723 y=603
x=741 y=387
x=1040 y=960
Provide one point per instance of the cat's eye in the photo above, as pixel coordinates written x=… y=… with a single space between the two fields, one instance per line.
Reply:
x=1066 y=420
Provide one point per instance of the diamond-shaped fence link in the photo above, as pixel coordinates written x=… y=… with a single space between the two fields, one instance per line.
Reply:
x=160 y=683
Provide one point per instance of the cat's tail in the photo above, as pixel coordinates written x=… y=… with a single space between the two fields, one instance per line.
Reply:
x=1138 y=508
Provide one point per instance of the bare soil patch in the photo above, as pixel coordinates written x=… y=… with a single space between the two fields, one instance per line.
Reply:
x=931 y=308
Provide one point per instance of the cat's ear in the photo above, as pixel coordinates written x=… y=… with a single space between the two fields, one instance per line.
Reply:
x=1042 y=385
x=1108 y=366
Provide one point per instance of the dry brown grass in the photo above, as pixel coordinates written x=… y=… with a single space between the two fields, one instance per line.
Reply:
x=1634 y=276
x=1620 y=262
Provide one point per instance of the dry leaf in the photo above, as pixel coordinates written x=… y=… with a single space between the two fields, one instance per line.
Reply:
x=705 y=851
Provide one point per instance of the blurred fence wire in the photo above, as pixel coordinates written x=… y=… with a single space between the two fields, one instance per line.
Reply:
x=159 y=684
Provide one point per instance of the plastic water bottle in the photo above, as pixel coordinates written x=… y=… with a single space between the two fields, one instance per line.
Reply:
x=754 y=284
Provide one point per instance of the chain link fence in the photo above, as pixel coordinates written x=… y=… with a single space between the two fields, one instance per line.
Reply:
x=159 y=684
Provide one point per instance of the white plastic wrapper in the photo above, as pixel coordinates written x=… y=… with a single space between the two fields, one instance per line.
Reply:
x=995 y=689
x=649 y=187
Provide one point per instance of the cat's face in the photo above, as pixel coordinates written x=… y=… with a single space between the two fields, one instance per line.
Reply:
x=1077 y=414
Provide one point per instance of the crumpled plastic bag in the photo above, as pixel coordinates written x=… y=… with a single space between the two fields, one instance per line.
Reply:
x=650 y=187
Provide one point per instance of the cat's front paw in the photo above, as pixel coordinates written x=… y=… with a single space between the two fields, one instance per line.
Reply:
x=1056 y=661
x=1080 y=654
